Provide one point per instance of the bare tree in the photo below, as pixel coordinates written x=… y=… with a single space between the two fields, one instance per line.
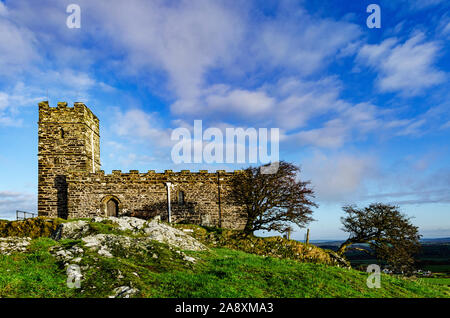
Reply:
x=390 y=234
x=273 y=201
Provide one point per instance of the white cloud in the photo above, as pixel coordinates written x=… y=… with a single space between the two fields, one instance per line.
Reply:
x=351 y=122
x=4 y=100
x=406 y=67
x=184 y=39
x=222 y=100
x=10 y=201
x=300 y=101
x=433 y=119
x=12 y=100
x=288 y=103
x=347 y=178
x=332 y=135
x=188 y=40
x=3 y=10
x=299 y=41
x=140 y=126
x=413 y=179
x=338 y=178
x=17 y=46
x=446 y=29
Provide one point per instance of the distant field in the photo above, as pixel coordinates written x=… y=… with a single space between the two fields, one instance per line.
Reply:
x=434 y=256
x=437 y=268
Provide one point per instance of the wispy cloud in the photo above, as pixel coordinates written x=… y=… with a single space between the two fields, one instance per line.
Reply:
x=339 y=177
x=10 y=201
x=406 y=67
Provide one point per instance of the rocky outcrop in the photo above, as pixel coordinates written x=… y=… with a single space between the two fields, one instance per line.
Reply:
x=92 y=242
x=146 y=230
x=72 y=255
x=124 y=223
x=104 y=244
x=138 y=237
x=166 y=234
x=124 y=292
x=72 y=230
x=14 y=244
x=111 y=245
x=338 y=260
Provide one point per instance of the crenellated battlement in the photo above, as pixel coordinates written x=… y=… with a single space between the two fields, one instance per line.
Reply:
x=78 y=114
x=152 y=175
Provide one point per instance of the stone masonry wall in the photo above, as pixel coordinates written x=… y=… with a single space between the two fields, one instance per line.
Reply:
x=147 y=193
x=71 y=184
x=69 y=141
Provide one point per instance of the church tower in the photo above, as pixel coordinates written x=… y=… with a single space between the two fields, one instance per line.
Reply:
x=69 y=141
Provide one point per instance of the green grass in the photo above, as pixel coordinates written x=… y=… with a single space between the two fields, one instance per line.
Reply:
x=33 y=274
x=219 y=272
x=229 y=273
x=437 y=280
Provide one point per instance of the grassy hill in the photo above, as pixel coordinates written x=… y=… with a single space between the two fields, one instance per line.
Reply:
x=217 y=272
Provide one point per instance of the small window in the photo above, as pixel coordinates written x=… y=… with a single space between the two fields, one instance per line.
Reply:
x=62 y=133
x=180 y=197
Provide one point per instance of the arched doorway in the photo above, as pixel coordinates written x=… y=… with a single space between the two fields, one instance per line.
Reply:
x=112 y=207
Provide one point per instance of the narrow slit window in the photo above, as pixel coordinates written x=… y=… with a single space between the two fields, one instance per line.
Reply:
x=180 y=197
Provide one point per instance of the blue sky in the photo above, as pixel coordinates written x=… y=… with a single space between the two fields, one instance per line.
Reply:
x=364 y=112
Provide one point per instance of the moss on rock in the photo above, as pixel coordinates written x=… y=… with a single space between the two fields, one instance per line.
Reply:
x=34 y=228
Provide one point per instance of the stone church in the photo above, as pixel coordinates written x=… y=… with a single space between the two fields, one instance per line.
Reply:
x=72 y=185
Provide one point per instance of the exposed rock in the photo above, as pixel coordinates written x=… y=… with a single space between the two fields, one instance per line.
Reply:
x=71 y=255
x=124 y=292
x=339 y=260
x=9 y=245
x=129 y=223
x=110 y=245
x=158 y=231
x=73 y=230
x=189 y=259
x=103 y=251
x=104 y=243
x=153 y=230
x=166 y=234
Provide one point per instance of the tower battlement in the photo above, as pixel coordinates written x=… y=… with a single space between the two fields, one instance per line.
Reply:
x=62 y=113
